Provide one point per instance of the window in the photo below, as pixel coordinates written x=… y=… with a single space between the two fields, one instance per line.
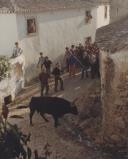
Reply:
x=31 y=26
x=88 y=16
x=105 y=12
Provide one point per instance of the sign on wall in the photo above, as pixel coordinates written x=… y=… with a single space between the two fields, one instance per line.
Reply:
x=31 y=26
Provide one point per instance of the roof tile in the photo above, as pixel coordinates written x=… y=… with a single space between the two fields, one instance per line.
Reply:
x=113 y=37
x=45 y=5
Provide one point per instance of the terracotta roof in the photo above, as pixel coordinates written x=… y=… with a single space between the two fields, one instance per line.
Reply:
x=44 y=5
x=113 y=37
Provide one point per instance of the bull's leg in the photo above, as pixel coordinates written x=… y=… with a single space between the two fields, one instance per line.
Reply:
x=44 y=117
x=56 y=123
x=31 y=115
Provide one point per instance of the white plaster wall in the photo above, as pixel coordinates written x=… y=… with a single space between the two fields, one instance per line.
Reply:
x=30 y=46
x=103 y=58
x=63 y=28
x=121 y=61
x=101 y=20
x=8 y=86
x=119 y=8
x=8 y=33
x=111 y=67
x=55 y=30
x=114 y=97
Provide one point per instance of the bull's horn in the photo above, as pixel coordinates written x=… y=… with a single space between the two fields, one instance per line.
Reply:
x=75 y=100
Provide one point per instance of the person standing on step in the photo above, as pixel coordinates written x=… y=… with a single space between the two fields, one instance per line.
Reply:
x=47 y=64
x=57 y=76
x=85 y=65
x=43 y=77
x=41 y=61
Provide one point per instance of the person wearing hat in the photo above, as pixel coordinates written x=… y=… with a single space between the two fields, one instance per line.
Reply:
x=57 y=76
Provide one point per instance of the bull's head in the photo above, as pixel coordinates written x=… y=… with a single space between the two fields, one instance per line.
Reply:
x=74 y=109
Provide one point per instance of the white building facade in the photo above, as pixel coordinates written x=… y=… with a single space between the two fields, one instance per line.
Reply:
x=47 y=28
x=55 y=31
x=113 y=43
x=119 y=9
x=14 y=82
x=103 y=15
x=56 y=27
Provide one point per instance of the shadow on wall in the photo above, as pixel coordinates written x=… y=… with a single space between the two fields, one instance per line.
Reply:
x=81 y=24
x=31 y=72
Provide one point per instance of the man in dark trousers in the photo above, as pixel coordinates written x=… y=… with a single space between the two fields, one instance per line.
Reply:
x=57 y=74
x=43 y=77
x=85 y=65
x=47 y=64
x=66 y=58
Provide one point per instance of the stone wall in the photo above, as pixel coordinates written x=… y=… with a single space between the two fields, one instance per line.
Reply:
x=114 y=79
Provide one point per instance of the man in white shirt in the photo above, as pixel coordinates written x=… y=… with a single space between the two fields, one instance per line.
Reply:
x=41 y=61
x=17 y=50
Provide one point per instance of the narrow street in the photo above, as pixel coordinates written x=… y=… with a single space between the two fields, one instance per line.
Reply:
x=53 y=45
x=42 y=133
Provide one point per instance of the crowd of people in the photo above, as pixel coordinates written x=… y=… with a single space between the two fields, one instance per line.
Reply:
x=46 y=72
x=85 y=57
x=81 y=57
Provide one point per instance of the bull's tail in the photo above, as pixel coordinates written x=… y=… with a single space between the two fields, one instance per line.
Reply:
x=22 y=107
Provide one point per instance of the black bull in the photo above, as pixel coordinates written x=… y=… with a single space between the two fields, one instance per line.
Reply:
x=54 y=106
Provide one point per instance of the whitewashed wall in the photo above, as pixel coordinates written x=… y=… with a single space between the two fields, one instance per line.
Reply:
x=55 y=30
x=12 y=85
x=8 y=33
x=30 y=46
x=119 y=8
x=114 y=82
x=60 y=29
x=101 y=20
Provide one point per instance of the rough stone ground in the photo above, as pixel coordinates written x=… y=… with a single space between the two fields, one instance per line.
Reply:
x=65 y=141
